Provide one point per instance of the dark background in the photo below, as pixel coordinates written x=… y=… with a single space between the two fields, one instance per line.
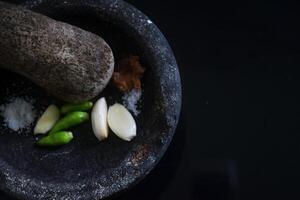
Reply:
x=238 y=136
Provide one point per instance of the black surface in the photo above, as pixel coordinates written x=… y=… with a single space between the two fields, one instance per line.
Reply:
x=240 y=68
x=239 y=132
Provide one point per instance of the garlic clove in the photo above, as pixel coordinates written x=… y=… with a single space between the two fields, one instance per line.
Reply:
x=99 y=119
x=47 y=120
x=121 y=122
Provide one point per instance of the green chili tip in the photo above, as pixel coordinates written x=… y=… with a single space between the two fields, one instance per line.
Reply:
x=85 y=106
x=55 y=139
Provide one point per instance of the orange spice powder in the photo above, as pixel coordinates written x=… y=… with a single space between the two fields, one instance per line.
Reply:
x=128 y=74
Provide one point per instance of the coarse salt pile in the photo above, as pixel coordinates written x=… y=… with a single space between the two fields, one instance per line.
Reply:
x=18 y=114
x=130 y=100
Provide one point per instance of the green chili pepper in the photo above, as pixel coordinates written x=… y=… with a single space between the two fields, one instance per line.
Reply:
x=70 y=120
x=85 y=106
x=55 y=139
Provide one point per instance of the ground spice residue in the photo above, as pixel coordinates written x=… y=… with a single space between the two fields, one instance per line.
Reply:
x=128 y=74
x=130 y=100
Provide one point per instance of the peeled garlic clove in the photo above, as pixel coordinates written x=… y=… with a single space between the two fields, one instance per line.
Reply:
x=99 y=119
x=121 y=122
x=47 y=120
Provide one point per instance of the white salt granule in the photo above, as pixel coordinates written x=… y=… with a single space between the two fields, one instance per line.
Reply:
x=18 y=114
x=130 y=100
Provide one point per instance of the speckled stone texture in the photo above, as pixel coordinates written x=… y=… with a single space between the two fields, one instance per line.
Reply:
x=87 y=169
x=54 y=55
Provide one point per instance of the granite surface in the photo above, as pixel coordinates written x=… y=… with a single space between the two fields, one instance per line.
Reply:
x=87 y=169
